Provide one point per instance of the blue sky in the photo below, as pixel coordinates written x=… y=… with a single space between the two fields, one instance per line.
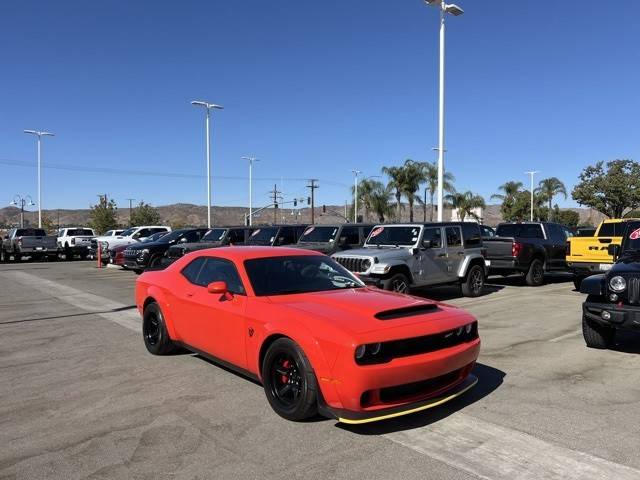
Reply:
x=314 y=89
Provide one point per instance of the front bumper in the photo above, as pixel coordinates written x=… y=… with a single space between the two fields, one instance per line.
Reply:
x=359 y=417
x=136 y=262
x=625 y=317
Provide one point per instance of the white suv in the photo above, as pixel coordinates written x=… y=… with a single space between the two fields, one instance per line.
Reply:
x=132 y=235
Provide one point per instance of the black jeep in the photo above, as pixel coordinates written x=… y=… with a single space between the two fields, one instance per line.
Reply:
x=613 y=301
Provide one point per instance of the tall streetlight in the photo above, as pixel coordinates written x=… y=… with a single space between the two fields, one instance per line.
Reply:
x=251 y=160
x=39 y=135
x=22 y=201
x=454 y=10
x=355 y=195
x=208 y=106
x=531 y=174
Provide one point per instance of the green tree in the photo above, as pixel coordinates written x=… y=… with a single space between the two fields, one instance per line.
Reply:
x=466 y=203
x=396 y=179
x=511 y=191
x=48 y=225
x=518 y=207
x=366 y=190
x=570 y=218
x=145 y=214
x=549 y=188
x=430 y=175
x=610 y=191
x=103 y=216
x=381 y=202
x=411 y=179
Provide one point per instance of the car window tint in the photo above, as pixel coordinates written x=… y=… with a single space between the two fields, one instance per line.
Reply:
x=454 y=239
x=351 y=235
x=365 y=232
x=471 y=235
x=191 y=236
x=286 y=236
x=434 y=235
x=145 y=232
x=218 y=270
x=612 y=229
x=191 y=271
x=556 y=232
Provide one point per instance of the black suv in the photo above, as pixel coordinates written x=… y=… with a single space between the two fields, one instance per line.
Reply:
x=216 y=237
x=613 y=301
x=138 y=257
x=275 y=235
x=329 y=239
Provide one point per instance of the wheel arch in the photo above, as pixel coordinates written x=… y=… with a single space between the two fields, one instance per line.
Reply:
x=155 y=295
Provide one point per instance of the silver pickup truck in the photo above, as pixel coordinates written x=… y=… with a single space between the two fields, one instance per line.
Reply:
x=401 y=257
x=32 y=242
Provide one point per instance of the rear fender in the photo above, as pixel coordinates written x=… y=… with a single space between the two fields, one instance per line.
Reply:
x=468 y=261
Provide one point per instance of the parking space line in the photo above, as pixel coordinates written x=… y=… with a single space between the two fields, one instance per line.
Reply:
x=108 y=309
x=566 y=335
x=494 y=452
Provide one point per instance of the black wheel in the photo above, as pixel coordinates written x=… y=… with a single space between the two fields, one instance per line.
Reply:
x=577 y=282
x=397 y=283
x=137 y=271
x=154 y=331
x=67 y=253
x=535 y=275
x=289 y=382
x=4 y=256
x=155 y=261
x=597 y=336
x=474 y=283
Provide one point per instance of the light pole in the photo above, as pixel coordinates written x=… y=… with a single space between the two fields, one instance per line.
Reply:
x=355 y=195
x=251 y=160
x=531 y=174
x=39 y=135
x=454 y=10
x=22 y=201
x=208 y=106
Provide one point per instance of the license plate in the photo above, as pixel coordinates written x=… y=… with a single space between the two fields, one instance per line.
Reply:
x=487 y=263
x=605 y=266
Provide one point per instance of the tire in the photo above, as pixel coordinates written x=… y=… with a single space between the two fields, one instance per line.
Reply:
x=155 y=261
x=473 y=285
x=535 y=274
x=597 y=336
x=67 y=253
x=289 y=381
x=4 y=256
x=577 y=282
x=137 y=271
x=397 y=283
x=154 y=331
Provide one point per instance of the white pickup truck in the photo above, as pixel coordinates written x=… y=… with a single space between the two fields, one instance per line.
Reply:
x=129 y=236
x=75 y=241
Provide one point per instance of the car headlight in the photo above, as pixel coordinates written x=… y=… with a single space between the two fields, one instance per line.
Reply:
x=366 y=264
x=366 y=353
x=618 y=284
x=144 y=251
x=382 y=269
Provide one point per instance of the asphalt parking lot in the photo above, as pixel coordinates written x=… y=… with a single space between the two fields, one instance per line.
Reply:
x=82 y=398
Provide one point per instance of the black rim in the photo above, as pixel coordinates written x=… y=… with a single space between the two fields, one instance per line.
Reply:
x=286 y=381
x=476 y=281
x=152 y=329
x=399 y=285
x=537 y=273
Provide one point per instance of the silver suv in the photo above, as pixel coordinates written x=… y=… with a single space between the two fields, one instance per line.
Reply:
x=403 y=256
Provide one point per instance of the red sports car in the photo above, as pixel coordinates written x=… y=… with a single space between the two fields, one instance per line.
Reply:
x=314 y=335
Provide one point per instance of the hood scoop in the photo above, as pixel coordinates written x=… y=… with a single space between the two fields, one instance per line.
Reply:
x=407 y=311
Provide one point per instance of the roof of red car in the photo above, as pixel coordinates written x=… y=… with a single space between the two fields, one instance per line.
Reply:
x=240 y=253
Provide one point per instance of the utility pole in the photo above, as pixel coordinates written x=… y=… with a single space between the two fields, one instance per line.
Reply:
x=355 y=195
x=312 y=185
x=531 y=174
x=130 y=208
x=276 y=193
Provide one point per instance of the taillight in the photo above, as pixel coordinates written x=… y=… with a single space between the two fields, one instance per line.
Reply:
x=516 y=248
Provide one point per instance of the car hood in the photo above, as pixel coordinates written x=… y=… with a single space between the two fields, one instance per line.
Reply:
x=383 y=254
x=355 y=309
x=626 y=265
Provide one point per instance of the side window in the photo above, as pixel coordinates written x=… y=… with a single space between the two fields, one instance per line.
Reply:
x=365 y=233
x=157 y=230
x=567 y=233
x=556 y=232
x=235 y=236
x=434 y=235
x=145 y=232
x=192 y=236
x=191 y=271
x=471 y=235
x=218 y=270
x=532 y=231
x=454 y=239
x=286 y=236
x=351 y=234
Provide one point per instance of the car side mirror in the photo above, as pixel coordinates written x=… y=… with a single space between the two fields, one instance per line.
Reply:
x=613 y=250
x=426 y=244
x=217 y=288
x=183 y=240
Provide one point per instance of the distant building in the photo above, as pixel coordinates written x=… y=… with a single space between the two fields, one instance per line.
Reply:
x=477 y=211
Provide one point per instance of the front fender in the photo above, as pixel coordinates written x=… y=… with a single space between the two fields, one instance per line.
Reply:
x=165 y=305
x=594 y=285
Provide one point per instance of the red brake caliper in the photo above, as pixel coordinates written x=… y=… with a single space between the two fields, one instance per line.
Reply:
x=285 y=364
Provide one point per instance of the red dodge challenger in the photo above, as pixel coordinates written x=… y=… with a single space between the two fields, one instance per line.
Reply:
x=313 y=334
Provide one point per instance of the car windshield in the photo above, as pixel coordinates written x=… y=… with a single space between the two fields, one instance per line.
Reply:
x=128 y=232
x=263 y=236
x=520 y=230
x=394 y=236
x=631 y=241
x=30 y=232
x=215 y=235
x=171 y=236
x=298 y=274
x=154 y=237
x=319 y=234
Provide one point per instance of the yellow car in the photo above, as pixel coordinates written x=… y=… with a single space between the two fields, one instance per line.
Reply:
x=588 y=255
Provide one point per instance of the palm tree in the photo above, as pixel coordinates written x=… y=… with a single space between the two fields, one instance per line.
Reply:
x=412 y=178
x=430 y=174
x=396 y=180
x=549 y=188
x=366 y=189
x=380 y=201
x=510 y=189
x=466 y=203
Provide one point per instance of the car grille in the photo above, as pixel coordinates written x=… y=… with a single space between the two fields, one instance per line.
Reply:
x=633 y=293
x=131 y=253
x=354 y=264
x=423 y=388
x=418 y=345
x=94 y=243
